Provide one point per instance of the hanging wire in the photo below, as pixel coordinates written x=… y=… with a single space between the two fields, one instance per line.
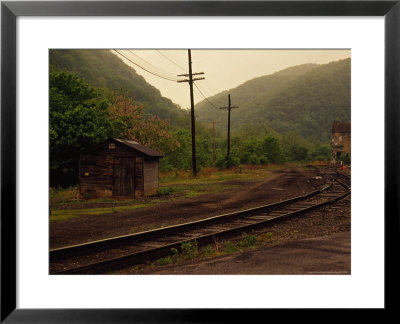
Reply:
x=145 y=69
x=171 y=60
x=152 y=66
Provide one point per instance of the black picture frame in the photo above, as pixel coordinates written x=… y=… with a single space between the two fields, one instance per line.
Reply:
x=10 y=10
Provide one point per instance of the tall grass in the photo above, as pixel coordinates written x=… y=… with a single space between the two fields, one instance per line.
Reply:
x=211 y=174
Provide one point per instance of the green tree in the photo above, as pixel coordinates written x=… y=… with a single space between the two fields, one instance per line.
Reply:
x=181 y=157
x=78 y=119
x=129 y=122
x=103 y=69
x=294 y=147
x=321 y=153
x=272 y=149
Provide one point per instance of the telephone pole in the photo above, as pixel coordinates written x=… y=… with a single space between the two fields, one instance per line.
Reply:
x=229 y=123
x=213 y=146
x=191 y=80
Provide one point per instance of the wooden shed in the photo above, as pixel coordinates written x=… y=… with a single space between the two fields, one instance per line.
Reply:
x=341 y=141
x=119 y=168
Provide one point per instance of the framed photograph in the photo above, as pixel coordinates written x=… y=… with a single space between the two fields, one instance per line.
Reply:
x=369 y=30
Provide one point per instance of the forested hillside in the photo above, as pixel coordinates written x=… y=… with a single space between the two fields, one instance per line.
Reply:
x=304 y=99
x=286 y=116
x=102 y=69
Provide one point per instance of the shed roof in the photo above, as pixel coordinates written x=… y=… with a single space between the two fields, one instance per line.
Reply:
x=341 y=128
x=139 y=147
x=129 y=144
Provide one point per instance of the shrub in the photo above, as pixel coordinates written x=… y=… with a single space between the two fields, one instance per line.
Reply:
x=220 y=163
x=229 y=247
x=253 y=159
x=273 y=149
x=231 y=162
x=321 y=158
x=164 y=191
x=208 y=250
x=245 y=158
x=263 y=160
x=164 y=261
x=165 y=165
x=226 y=163
x=248 y=240
x=345 y=159
x=175 y=254
x=189 y=249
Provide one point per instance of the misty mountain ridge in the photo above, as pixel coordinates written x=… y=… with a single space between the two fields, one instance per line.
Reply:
x=102 y=69
x=305 y=99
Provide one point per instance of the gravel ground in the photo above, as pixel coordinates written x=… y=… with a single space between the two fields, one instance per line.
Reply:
x=284 y=184
x=315 y=243
x=318 y=242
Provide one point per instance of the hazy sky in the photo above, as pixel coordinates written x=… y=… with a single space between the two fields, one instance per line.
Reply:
x=224 y=69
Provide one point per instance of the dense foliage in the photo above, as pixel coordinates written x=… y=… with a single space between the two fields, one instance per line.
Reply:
x=78 y=119
x=286 y=116
x=102 y=69
x=305 y=99
x=81 y=116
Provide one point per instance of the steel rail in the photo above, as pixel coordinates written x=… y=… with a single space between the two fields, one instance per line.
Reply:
x=162 y=251
x=79 y=249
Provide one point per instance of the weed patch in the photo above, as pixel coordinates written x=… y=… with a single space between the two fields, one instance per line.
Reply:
x=190 y=249
x=229 y=247
x=164 y=261
x=248 y=240
x=175 y=255
x=64 y=214
x=266 y=236
x=165 y=191
x=208 y=250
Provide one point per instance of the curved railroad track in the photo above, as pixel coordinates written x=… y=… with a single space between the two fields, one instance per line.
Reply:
x=128 y=250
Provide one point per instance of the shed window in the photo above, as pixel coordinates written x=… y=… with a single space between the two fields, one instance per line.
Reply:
x=111 y=146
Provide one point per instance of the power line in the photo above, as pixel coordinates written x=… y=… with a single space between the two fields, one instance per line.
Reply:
x=172 y=61
x=210 y=94
x=161 y=71
x=210 y=89
x=143 y=68
x=202 y=94
x=153 y=68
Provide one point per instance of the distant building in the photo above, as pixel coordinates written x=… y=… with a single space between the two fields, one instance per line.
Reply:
x=119 y=168
x=341 y=141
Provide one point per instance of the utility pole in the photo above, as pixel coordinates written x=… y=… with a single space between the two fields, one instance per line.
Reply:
x=191 y=80
x=229 y=123
x=213 y=146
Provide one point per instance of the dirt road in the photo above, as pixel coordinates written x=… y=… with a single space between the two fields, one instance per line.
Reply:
x=284 y=184
x=329 y=255
x=315 y=243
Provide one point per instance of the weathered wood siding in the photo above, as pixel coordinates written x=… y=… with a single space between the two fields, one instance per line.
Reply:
x=108 y=171
x=124 y=176
x=139 y=177
x=96 y=175
x=113 y=170
x=151 y=174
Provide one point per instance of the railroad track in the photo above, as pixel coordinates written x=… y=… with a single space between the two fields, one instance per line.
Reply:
x=119 y=252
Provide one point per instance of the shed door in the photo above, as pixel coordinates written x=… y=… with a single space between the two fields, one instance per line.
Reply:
x=124 y=175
